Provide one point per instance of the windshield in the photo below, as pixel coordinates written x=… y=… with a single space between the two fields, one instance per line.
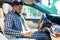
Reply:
x=50 y=5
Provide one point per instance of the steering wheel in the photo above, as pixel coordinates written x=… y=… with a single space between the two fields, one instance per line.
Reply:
x=41 y=22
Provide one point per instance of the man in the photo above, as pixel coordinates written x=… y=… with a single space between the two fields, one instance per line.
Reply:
x=13 y=24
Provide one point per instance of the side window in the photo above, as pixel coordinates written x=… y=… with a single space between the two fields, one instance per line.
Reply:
x=31 y=12
x=50 y=5
x=47 y=3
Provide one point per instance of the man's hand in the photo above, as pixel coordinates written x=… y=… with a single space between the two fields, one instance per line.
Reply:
x=27 y=34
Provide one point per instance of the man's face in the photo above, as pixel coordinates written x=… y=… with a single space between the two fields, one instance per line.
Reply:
x=18 y=9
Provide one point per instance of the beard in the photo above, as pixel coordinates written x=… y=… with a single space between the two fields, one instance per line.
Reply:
x=17 y=13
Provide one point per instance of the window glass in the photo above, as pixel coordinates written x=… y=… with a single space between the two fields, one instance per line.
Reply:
x=50 y=5
x=31 y=12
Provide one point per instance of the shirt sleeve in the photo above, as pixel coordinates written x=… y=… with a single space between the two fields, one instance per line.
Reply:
x=9 y=30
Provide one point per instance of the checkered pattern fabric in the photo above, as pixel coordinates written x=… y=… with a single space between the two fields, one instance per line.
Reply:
x=13 y=25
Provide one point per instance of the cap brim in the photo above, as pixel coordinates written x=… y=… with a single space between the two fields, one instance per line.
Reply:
x=21 y=3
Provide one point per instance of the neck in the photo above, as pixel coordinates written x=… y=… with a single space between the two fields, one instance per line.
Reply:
x=15 y=12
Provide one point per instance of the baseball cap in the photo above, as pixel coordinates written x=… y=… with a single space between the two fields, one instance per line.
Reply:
x=17 y=3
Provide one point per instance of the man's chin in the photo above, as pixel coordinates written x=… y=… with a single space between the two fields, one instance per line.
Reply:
x=19 y=12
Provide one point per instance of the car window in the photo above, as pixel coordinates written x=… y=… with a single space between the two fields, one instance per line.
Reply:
x=31 y=12
x=50 y=5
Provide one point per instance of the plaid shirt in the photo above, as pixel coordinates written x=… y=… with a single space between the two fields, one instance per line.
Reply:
x=13 y=25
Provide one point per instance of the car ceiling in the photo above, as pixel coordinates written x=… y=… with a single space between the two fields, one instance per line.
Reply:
x=25 y=1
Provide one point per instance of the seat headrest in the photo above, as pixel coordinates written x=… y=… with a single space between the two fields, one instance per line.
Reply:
x=6 y=8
